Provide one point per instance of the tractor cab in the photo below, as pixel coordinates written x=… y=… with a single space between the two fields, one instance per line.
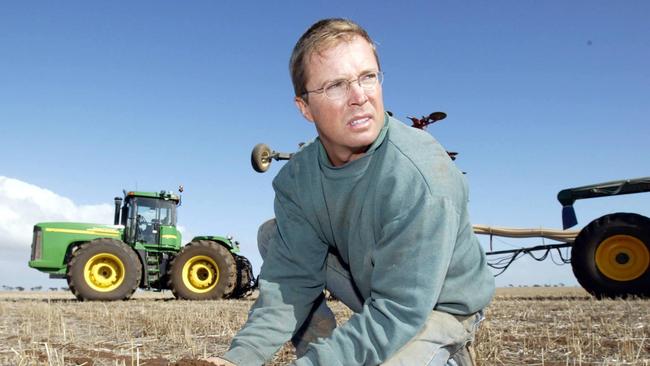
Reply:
x=148 y=217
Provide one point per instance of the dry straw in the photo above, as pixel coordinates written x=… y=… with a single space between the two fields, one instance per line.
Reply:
x=523 y=326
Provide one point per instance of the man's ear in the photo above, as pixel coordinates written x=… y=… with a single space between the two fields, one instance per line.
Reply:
x=304 y=108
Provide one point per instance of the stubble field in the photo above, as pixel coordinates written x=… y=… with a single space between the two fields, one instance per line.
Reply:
x=523 y=326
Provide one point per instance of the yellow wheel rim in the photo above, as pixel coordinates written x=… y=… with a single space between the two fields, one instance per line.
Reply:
x=200 y=274
x=104 y=272
x=622 y=258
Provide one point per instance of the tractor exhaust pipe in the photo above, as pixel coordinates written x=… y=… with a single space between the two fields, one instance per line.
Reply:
x=118 y=206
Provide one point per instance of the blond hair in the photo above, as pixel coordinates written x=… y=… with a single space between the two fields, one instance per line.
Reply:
x=321 y=36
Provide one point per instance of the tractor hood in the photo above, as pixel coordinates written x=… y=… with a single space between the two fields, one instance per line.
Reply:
x=59 y=237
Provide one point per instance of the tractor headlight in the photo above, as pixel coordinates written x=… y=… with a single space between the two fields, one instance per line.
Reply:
x=37 y=243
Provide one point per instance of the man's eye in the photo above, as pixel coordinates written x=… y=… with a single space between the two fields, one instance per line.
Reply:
x=336 y=85
x=369 y=77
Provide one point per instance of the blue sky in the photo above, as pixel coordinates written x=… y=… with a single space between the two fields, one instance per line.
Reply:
x=96 y=97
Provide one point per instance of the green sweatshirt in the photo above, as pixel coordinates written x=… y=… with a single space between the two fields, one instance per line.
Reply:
x=398 y=218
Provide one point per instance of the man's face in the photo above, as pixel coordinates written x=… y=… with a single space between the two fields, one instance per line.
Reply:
x=346 y=126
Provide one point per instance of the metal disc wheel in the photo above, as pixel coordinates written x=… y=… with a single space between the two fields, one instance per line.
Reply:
x=261 y=158
x=611 y=256
x=203 y=270
x=103 y=269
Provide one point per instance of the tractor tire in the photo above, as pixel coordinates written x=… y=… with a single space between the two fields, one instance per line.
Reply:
x=611 y=256
x=203 y=270
x=261 y=158
x=245 y=279
x=104 y=270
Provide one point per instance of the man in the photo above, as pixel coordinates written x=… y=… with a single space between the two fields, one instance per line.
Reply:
x=375 y=212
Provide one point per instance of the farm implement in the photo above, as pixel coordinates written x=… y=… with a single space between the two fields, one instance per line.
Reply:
x=142 y=249
x=610 y=256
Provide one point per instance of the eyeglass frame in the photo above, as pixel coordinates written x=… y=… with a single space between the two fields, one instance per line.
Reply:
x=348 y=84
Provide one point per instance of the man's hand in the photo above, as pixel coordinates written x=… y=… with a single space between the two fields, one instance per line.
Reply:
x=219 y=361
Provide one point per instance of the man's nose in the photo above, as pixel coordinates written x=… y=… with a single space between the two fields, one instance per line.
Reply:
x=357 y=94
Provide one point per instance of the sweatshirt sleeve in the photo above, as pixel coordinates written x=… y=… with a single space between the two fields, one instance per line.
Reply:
x=291 y=278
x=410 y=261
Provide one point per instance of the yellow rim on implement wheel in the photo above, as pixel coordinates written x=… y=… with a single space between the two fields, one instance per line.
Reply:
x=200 y=274
x=622 y=258
x=104 y=272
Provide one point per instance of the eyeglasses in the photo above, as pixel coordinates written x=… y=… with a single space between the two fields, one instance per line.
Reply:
x=338 y=89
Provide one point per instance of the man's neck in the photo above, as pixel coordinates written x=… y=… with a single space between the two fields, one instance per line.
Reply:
x=340 y=160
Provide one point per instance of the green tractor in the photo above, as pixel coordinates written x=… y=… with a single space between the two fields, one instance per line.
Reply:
x=142 y=249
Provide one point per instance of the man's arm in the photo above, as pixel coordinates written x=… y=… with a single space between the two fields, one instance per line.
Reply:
x=217 y=361
x=291 y=278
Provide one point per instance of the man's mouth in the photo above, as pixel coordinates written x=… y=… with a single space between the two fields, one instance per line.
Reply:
x=360 y=122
